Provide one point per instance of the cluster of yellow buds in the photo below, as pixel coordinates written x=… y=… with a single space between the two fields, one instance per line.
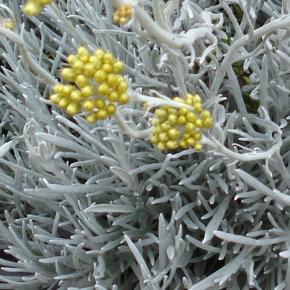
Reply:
x=34 y=7
x=123 y=14
x=8 y=23
x=96 y=85
x=180 y=127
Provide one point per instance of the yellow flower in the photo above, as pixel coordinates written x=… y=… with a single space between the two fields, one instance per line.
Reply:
x=96 y=86
x=34 y=7
x=123 y=14
x=180 y=127
x=8 y=23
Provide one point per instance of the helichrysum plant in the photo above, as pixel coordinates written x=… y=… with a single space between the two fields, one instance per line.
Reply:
x=144 y=145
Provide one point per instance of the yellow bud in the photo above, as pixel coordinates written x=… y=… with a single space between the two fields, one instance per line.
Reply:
x=119 y=78
x=107 y=68
x=198 y=123
x=9 y=24
x=178 y=100
x=58 y=88
x=183 y=144
x=116 y=18
x=165 y=126
x=81 y=81
x=68 y=74
x=190 y=141
x=67 y=90
x=171 y=145
x=207 y=122
x=165 y=108
x=101 y=115
x=198 y=146
x=88 y=105
x=100 y=76
x=189 y=127
x=197 y=107
x=73 y=109
x=113 y=96
x=183 y=111
x=91 y=118
x=100 y=104
x=161 y=113
x=196 y=99
x=122 y=11
x=94 y=60
x=83 y=51
x=155 y=122
x=161 y=146
x=197 y=136
x=103 y=89
x=78 y=66
x=87 y=91
x=71 y=59
x=76 y=96
x=181 y=121
x=173 y=111
x=112 y=80
x=118 y=67
x=99 y=53
x=84 y=58
x=157 y=130
x=32 y=8
x=123 y=20
x=172 y=119
x=89 y=70
x=173 y=133
x=206 y=114
x=63 y=103
x=122 y=87
x=55 y=98
x=190 y=116
x=123 y=99
x=154 y=139
x=111 y=109
x=163 y=137
x=129 y=11
x=108 y=58
x=189 y=96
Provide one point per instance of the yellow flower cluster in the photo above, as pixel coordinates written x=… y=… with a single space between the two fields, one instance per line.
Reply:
x=123 y=14
x=34 y=7
x=8 y=23
x=180 y=127
x=96 y=85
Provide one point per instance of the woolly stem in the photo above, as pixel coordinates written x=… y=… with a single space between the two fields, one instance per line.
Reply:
x=252 y=156
x=155 y=102
x=129 y=130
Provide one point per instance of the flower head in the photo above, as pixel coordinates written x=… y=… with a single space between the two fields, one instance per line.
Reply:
x=95 y=85
x=123 y=14
x=8 y=23
x=180 y=127
x=34 y=7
